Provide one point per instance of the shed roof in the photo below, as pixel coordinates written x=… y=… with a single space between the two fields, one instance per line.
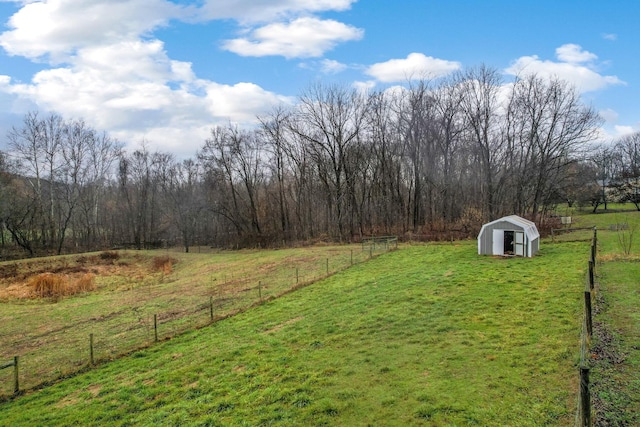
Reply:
x=528 y=226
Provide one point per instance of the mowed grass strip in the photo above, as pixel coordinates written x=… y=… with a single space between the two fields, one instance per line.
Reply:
x=427 y=335
x=51 y=336
x=616 y=358
x=615 y=362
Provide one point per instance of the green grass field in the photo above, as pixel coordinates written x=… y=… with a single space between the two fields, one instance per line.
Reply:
x=427 y=335
x=51 y=336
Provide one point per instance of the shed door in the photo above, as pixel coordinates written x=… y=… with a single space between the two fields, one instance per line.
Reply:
x=498 y=242
x=518 y=243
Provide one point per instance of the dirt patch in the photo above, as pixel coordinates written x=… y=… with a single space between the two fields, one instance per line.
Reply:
x=606 y=348
x=94 y=389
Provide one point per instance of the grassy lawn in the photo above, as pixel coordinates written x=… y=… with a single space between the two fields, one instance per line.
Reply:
x=427 y=335
x=51 y=337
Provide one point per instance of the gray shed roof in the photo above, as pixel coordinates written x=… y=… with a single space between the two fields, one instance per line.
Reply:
x=528 y=226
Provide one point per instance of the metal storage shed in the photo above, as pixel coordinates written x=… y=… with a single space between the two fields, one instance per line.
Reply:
x=510 y=235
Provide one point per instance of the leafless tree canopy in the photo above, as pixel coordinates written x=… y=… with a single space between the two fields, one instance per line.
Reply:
x=432 y=157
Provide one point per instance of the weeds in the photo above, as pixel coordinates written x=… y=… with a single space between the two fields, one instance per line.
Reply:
x=164 y=264
x=111 y=256
x=50 y=285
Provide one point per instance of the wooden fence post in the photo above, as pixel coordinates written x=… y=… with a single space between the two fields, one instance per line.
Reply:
x=327 y=266
x=155 y=327
x=587 y=309
x=260 y=289
x=16 y=383
x=351 y=256
x=591 y=275
x=585 y=397
x=211 y=308
x=297 y=276
x=91 y=359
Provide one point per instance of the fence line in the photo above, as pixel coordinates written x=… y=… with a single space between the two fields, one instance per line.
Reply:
x=583 y=415
x=154 y=327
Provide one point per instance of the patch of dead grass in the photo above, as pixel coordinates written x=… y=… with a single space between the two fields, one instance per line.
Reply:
x=164 y=264
x=58 y=278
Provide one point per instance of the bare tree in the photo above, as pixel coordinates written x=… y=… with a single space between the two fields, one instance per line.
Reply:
x=274 y=129
x=628 y=148
x=603 y=159
x=330 y=119
x=548 y=127
x=182 y=190
x=233 y=160
x=101 y=156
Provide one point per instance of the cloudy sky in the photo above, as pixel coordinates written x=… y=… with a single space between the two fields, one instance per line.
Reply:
x=165 y=71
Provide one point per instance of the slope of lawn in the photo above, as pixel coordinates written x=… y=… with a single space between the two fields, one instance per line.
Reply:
x=51 y=335
x=426 y=335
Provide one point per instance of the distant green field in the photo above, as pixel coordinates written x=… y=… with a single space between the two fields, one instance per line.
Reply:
x=427 y=335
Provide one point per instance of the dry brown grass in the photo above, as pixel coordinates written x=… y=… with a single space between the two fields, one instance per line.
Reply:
x=47 y=285
x=57 y=278
x=164 y=264
x=51 y=285
x=110 y=256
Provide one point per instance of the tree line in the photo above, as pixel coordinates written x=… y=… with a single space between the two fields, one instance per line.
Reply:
x=430 y=157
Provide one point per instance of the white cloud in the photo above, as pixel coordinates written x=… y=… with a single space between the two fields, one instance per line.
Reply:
x=582 y=76
x=607 y=133
x=330 y=66
x=136 y=92
x=115 y=80
x=364 y=86
x=267 y=10
x=302 y=37
x=609 y=115
x=240 y=102
x=574 y=54
x=623 y=130
x=414 y=66
x=610 y=36
x=59 y=27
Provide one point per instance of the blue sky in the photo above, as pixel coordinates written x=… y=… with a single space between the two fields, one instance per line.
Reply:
x=166 y=72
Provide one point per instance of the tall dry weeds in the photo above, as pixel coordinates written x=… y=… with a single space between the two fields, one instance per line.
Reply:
x=50 y=285
x=164 y=264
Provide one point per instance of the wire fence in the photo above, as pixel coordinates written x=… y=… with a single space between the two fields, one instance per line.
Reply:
x=149 y=313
